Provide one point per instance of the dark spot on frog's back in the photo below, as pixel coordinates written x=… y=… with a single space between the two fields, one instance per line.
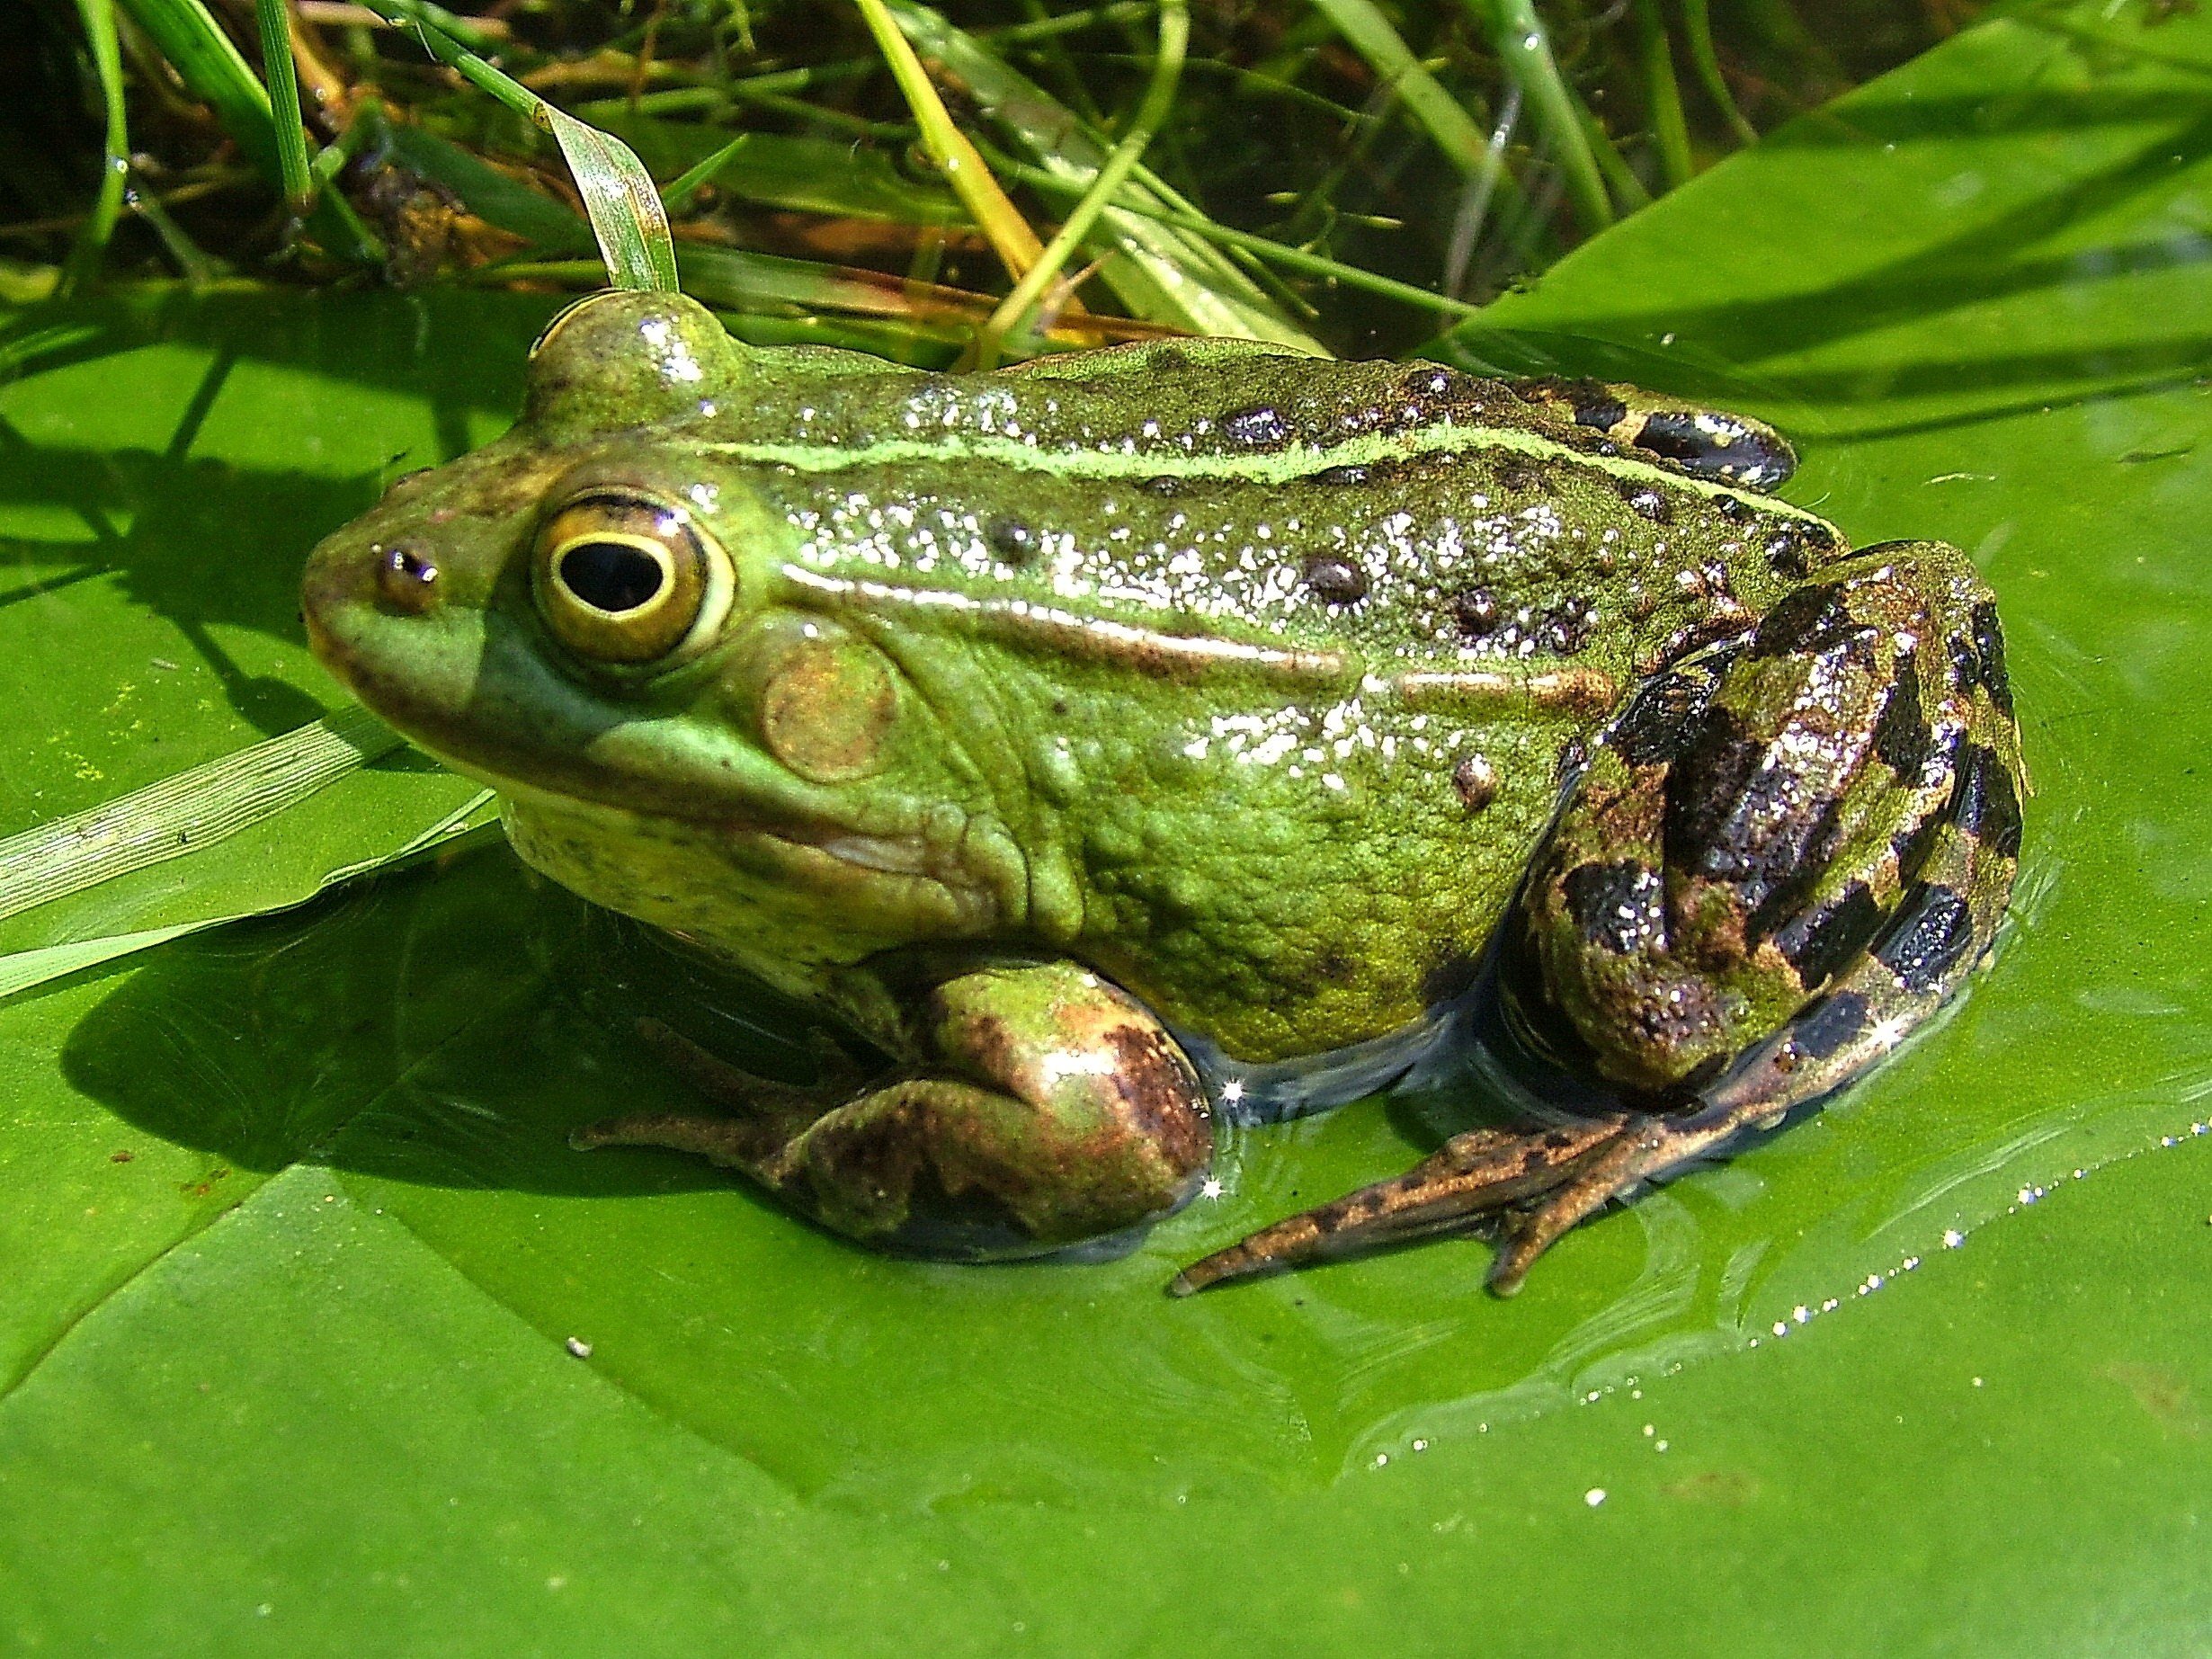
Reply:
x=1828 y=1024
x=1259 y=427
x=1987 y=806
x=1901 y=736
x=1785 y=551
x=1933 y=928
x=1567 y=629
x=1666 y=715
x=1475 y=782
x=1646 y=501
x=1731 y=817
x=1013 y=540
x=1599 y=408
x=1342 y=474
x=1475 y=612
x=1433 y=380
x=1808 y=621
x=1516 y=477
x=1334 y=578
x=1713 y=445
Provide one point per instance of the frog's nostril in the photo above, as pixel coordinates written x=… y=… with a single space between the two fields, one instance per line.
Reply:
x=613 y=576
x=406 y=579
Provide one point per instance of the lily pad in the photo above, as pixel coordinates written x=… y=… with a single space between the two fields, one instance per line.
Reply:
x=316 y=1335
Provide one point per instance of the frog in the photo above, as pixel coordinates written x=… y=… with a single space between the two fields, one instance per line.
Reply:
x=1134 y=743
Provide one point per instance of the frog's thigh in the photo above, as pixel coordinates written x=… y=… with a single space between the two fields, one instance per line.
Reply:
x=1816 y=828
x=1781 y=859
x=1057 y=1109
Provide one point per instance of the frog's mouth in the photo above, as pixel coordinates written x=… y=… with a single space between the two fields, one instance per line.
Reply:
x=477 y=692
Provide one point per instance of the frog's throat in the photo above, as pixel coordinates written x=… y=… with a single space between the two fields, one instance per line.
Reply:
x=733 y=881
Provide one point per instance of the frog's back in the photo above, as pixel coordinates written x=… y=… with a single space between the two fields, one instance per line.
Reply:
x=1396 y=510
x=1277 y=656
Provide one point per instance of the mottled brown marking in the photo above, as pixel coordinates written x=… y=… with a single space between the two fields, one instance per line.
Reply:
x=1161 y=1096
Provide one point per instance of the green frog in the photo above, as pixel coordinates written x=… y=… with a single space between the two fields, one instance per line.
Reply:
x=1192 y=731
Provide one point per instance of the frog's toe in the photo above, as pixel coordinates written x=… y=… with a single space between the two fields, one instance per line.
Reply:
x=735 y=1143
x=1459 y=1188
x=1532 y=1187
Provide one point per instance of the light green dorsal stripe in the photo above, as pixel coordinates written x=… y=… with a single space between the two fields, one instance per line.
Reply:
x=1275 y=466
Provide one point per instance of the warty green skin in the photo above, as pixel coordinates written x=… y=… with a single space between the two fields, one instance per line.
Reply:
x=1246 y=680
x=1143 y=739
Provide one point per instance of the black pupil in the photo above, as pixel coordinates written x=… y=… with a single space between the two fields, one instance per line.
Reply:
x=611 y=576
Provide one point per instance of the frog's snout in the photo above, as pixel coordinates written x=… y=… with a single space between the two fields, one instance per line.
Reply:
x=354 y=587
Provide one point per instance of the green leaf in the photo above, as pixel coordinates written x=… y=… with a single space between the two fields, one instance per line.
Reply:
x=625 y=210
x=296 y=1377
x=91 y=241
x=164 y=460
x=791 y=171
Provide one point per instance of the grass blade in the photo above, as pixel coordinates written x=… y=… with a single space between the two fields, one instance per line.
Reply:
x=1368 y=32
x=1013 y=315
x=627 y=220
x=1281 y=254
x=1009 y=233
x=19 y=970
x=91 y=245
x=210 y=64
x=1517 y=36
x=281 y=80
x=212 y=69
x=186 y=812
x=1697 y=34
x=1663 y=94
x=676 y=196
x=1159 y=271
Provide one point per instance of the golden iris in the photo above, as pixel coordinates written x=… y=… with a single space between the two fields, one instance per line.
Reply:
x=626 y=579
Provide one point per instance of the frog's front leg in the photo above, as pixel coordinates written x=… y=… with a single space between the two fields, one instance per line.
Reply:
x=1781 y=857
x=1050 y=1107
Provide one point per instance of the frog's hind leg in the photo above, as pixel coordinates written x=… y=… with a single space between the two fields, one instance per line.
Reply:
x=762 y=1116
x=1709 y=443
x=1785 y=854
x=1047 y=1108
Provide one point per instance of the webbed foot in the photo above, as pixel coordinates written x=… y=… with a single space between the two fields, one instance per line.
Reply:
x=1534 y=1186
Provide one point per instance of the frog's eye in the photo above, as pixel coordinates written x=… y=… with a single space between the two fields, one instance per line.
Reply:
x=627 y=579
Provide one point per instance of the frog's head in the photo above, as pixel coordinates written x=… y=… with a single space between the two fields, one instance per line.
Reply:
x=599 y=610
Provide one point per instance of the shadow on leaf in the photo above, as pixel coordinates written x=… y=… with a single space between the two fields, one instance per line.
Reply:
x=447 y=1027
